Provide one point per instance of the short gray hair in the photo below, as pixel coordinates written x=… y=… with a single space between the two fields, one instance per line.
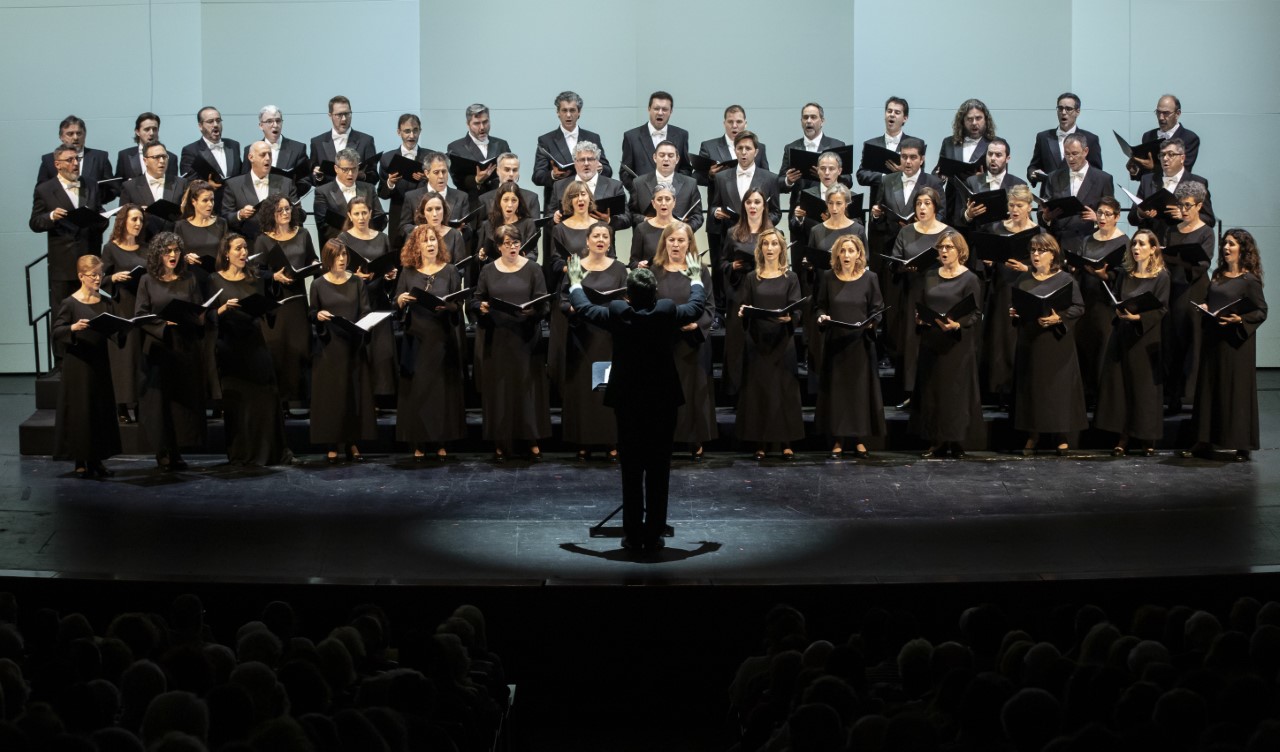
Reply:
x=348 y=154
x=831 y=155
x=270 y=109
x=476 y=110
x=586 y=146
x=840 y=189
x=504 y=156
x=568 y=96
x=1192 y=189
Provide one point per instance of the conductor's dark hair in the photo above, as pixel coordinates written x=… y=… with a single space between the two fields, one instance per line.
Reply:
x=906 y=108
x=912 y=143
x=222 y=262
x=642 y=289
x=266 y=213
x=662 y=95
x=155 y=254
x=69 y=121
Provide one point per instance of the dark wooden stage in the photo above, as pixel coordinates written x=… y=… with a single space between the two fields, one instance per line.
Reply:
x=892 y=519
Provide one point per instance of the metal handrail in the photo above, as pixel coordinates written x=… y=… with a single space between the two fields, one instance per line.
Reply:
x=33 y=320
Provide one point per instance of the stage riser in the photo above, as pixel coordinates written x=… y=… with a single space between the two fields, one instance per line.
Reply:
x=36 y=436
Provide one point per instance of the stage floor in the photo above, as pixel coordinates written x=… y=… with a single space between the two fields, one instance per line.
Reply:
x=892 y=519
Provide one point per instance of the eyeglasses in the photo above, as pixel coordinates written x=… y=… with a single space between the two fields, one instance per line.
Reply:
x=1067 y=109
x=510 y=243
x=1188 y=204
x=340 y=168
x=1170 y=154
x=1039 y=251
x=161 y=157
x=342 y=115
x=91 y=275
x=1165 y=112
x=272 y=121
x=69 y=159
x=1106 y=213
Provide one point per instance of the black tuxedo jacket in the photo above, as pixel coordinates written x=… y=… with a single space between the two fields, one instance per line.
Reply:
x=465 y=179
x=977 y=184
x=1161 y=222
x=718 y=149
x=687 y=197
x=637 y=151
x=230 y=149
x=605 y=188
x=292 y=154
x=329 y=200
x=824 y=144
x=527 y=197
x=871 y=178
x=1097 y=183
x=66 y=241
x=1046 y=157
x=727 y=192
x=96 y=166
x=322 y=149
x=129 y=164
x=889 y=194
x=643 y=375
x=553 y=143
x=136 y=191
x=1189 y=140
x=239 y=193
x=458 y=202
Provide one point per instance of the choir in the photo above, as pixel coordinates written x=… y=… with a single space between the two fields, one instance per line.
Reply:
x=209 y=295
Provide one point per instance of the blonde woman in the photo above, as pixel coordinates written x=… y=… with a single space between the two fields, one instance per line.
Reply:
x=849 y=401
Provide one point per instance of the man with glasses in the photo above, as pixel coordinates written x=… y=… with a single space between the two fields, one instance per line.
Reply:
x=1168 y=116
x=155 y=184
x=1047 y=155
x=1173 y=173
x=95 y=164
x=286 y=154
x=1075 y=178
x=221 y=156
x=69 y=235
x=586 y=163
x=325 y=147
x=245 y=193
x=330 y=208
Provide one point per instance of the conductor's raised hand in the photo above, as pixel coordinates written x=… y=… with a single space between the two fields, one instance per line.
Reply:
x=574 y=270
x=693 y=269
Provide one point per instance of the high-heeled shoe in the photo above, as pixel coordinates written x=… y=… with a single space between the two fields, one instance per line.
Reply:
x=353 y=455
x=535 y=454
x=957 y=452
x=862 y=453
x=696 y=454
x=332 y=458
x=933 y=453
x=583 y=455
x=96 y=467
x=419 y=457
x=837 y=452
x=788 y=455
x=613 y=455
x=759 y=455
x=1119 y=451
x=499 y=455
x=1149 y=451
x=1029 y=449
x=442 y=454
x=82 y=472
x=1242 y=455
x=1063 y=449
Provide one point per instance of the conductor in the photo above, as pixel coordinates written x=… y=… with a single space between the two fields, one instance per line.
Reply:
x=643 y=389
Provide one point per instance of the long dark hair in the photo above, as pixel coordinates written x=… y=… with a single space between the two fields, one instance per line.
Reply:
x=1250 y=259
x=122 y=219
x=222 y=263
x=741 y=231
x=495 y=209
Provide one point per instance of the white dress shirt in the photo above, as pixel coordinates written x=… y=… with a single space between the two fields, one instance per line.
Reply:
x=1077 y=178
x=657 y=136
x=483 y=146
x=970 y=146
x=1062 y=137
x=744 y=178
x=73 y=191
x=339 y=140
x=219 y=153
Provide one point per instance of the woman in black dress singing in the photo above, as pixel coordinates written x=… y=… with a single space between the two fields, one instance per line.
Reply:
x=849 y=401
x=646 y=231
x=289 y=333
x=120 y=256
x=769 y=402
x=342 y=410
x=738 y=261
x=87 y=430
x=202 y=233
x=506 y=209
x=947 y=407
x=509 y=350
x=1094 y=327
x=696 y=418
x=907 y=283
x=250 y=400
x=171 y=405
x=999 y=340
x=823 y=236
x=430 y=409
x=370 y=245
x=1048 y=393
x=1225 y=411
x=584 y=419
x=1188 y=284
x=1130 y=387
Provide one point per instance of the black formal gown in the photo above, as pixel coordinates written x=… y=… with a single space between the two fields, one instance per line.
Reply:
x=1048 y=391
x=1225 y=412
x=644 y=244
x=946 y=405
x=1131 y=384
x=171 y=401
x=431 y=407
x=1094 y=327
x=1188 y=285
x=126 y=361
x=342 y=410
x=849 y=401
x=769 y=401
x=584 y=419
x=696 y=418
x=382 y=342
x=86 y=428
x=735 y=280
x=289 y=334
x=250 y=401
x=511 y=357
x=905 y=289
x=999 y=336
x=204 y=241
x=822 y=238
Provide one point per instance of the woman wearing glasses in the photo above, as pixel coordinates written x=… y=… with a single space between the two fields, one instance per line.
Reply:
x=1188 y=284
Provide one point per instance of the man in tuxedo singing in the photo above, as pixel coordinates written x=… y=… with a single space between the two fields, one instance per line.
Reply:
x=996 y=177
x=286 y=154
x=95 y=164
x=155 y=184
x=69 y=236
x=812 y=120
x=1075 y=178
x=896 y=113
x=477 y=145
x=245 y=192
x=220 y=154
x=1047 y=155
x=146 y=131
x=325 y=146
x=639 y=143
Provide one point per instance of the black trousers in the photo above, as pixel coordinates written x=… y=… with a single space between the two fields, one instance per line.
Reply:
x=644 y=451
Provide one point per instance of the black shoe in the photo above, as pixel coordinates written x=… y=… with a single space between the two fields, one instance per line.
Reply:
x=332 y=459
x=353 y=456
x=499 y=456
x=82 y=472
x=837 y=454
x=1149 y=452
x=178 y=463
x=419 y=458
x=904 y=405
x=788 y=455
x=717 y=324
x=957 y=452
x=1062 y=451
x=535 y=455
x=696 y=454
x=933 y=454
x=1185 y=454
x=1242 y=455
x=631 y=545
x=861 y=454
x=100 y=470
x=655 y=544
